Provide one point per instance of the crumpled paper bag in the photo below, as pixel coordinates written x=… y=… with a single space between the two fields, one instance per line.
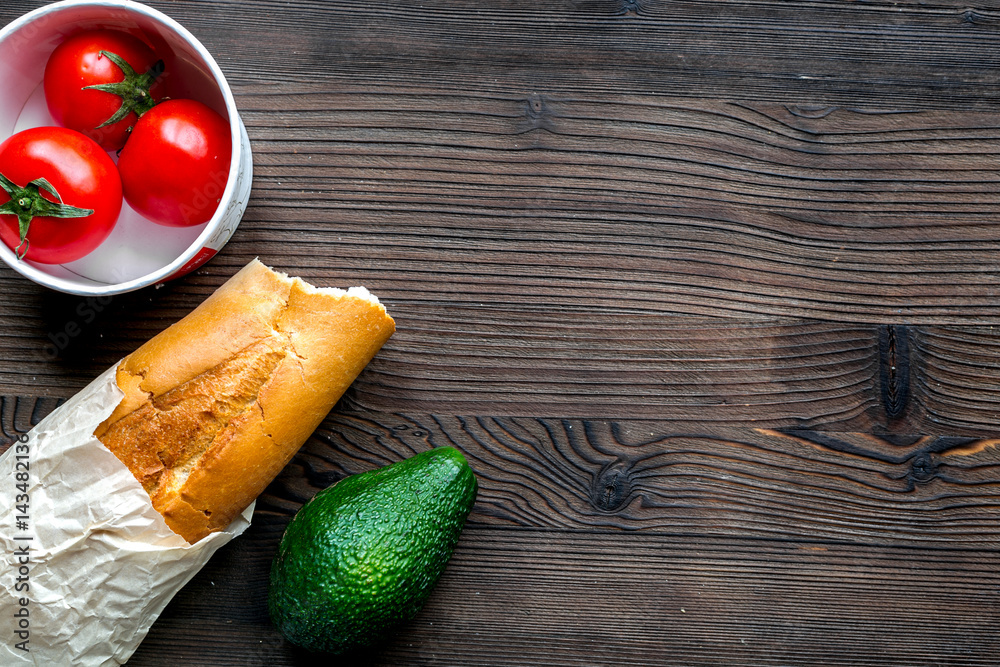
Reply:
x=88 y=563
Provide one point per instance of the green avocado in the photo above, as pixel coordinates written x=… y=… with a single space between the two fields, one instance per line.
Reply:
x=362 y=556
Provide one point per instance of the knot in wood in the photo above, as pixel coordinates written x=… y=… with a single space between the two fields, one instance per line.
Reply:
x=535 y=106
x=972 y=16
x=810 y=111
x=923 y=467
x=894 y=370
x=612 y=487
x=631 y=7
x=537 y=114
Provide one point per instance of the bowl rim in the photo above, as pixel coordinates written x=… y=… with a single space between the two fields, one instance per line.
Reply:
x=211 y=228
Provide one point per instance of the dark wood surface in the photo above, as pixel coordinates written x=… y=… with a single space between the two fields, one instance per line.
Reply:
x=708 y=293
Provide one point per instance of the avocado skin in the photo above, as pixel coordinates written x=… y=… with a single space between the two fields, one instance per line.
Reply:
x=363 y=556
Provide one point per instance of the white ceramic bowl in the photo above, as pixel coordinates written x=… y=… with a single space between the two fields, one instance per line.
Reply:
x=138 y=252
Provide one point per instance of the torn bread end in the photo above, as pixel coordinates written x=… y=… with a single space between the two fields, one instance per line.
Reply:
x=358 y=292
x=207 y=422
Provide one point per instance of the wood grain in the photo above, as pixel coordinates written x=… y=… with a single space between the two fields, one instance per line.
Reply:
x=706 y=291
x=651 y=206
x=778 y=374
x=816 y=52
x=649 y=476
x=694 y=371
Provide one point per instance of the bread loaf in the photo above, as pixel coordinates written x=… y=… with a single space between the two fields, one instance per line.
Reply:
x=216 y=405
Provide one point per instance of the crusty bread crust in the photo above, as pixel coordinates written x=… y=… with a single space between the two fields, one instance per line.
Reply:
x=216 y=405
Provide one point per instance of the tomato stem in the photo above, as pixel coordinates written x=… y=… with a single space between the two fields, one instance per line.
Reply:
x=133 y=89
x=28 y=203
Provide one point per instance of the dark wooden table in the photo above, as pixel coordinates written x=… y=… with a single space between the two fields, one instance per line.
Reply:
x=708 y=293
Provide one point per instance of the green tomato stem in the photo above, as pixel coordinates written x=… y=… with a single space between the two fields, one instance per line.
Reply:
x=133 y=89
x=27 y=203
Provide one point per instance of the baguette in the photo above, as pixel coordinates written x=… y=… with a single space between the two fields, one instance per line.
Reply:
x=216 y=405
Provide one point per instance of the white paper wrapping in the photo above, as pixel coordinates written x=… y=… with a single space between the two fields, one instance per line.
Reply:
x=88 y=563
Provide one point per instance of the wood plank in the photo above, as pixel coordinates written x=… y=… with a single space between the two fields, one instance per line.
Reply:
x=694 y=372
x=931 y=55
x=653 y=205
x=653 y=476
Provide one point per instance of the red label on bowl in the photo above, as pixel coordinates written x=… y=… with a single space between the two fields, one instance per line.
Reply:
x=195 y=262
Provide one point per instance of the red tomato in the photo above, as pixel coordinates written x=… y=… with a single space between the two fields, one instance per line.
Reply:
x=175 y=165
x=129 y=92
x=72 y=166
